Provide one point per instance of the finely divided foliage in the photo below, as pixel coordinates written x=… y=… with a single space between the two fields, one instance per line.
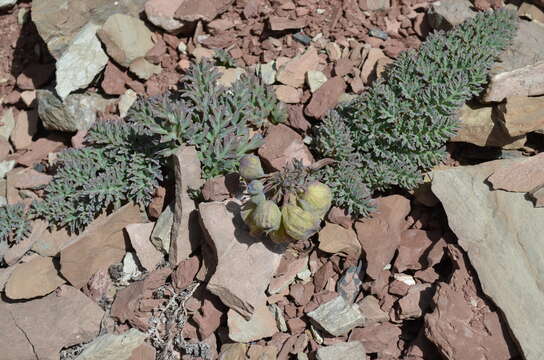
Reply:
x=398 y=128
x=14 y=225
x=123 y=160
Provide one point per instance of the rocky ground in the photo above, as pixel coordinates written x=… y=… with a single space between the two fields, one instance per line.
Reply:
x=450 y=271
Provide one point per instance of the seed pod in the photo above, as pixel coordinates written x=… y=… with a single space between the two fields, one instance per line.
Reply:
x=298 y=223
x=255 y=188
x=317 y=199
x=250 y=167
x=267 y=216
x=280 y=236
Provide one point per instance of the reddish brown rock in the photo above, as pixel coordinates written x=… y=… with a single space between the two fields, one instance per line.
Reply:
x=157 y=203
x=287 y=271
x=39 y=150
x=335 y=239
x=343 y=67
x=221 y=187
x=46 y=325
x=370 y=308
x=4 y=148
x=282 y=23
x=325 y=272
x=380 y=236
x=114 y=81
x=296 y=326
x=288 y=94
x=99 y=246
x=413 y=246
x=398 y=287
x=206 y=10
x=26 y=126
x=326 y=97
x=27 y=178
x=281 y=145
x=262 y=324
x=521 y=176
x=416 y=302
x=295 y=114
x=379 y=338
x=127 y=302
x=162 y=12
x=99 y=288
x=35 y=278
x=186 y=272
x=341 y=217
x=208 y=318
x=463 y=325
x=293 y=72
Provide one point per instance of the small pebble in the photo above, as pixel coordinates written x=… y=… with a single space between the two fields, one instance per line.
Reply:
x=302 y=38
x=377 y=33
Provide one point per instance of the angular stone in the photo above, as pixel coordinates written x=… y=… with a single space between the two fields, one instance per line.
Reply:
x=262 y=324
x=287 y=94
x=373 y=5
x=147 y=254
x=233 y=351
x=445 y=14
x=185 y=273
x=478 y=126
x=353 y=350
x=143 y=69
x=519 y=71
x=82 y=60
x=38 y=277
x=229 y=75
x=286 y=273
x=337 y=316
x=7 y=123
x=59 y=320
x=160 y=237
x=114 y=80
x=278 y=23
x=40 y=149
x=27 y=178
x=522 y=176
x=531 y=12
x=326 y=97
x=485 y=223
x=259 y=352
x=520 y=115
x=16 y=252
x=371 y=310
x=25 y=128
x=76 y=112
x=414 y=244
x=335 y=239
x=126 y=101
x=294 y=71
x=206 y=10
x=462 y=324
x=209 y=317
x=57 y=29
x=281 y=145
x=161 y=13
x=416 y=302
x=369 y=66
x=267 y=72
x=113 y=347
x=126 y=38
x=239 y=255
x=99 y=246
x=380 y=236
x=186 y=232
x=379 y=338
x=349 y=285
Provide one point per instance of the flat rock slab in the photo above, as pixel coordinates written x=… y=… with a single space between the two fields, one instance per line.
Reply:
x=113 y=347
x=337 y=316
x=39 y=329
x=502 y=234
x=98 y=247
x=522 y=176
x=261 y=325
x=520 y=68
x=353 y=350
x=245 y=264
x=35 y=278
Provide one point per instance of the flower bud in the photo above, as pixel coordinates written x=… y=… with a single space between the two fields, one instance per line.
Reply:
x=317 y=199
x=267 y=216
x=250 y=167
x=298 y=223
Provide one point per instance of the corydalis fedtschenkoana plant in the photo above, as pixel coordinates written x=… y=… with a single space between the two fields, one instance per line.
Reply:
x=215 y=119
x=14 y=225
x=398 y=128
x=121 y=164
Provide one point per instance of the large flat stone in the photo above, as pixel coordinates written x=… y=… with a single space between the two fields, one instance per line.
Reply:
x=520 y=68
x=241 y=258
x=35 y=278
x=337 y=316
x=113 y=346
x=502 y=234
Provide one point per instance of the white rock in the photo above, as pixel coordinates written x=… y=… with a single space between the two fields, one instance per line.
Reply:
x=353 y=350
x=126 y=101
x=7 y=123
x=337 y=316
x=80 y=62
x=267 y=72
x=5 y=167
x=315 y=79
x=144 y=69
x=4 y=4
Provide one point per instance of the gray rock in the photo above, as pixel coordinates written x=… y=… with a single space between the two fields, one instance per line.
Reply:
x=445 y=14
x=5 y=167
x=4 y=4
x=7 y=123
x=144 y=69
x=126 y=101
x=353 y=350
x=113 y=347
x=502 y=234
x=76 y=112
x=371 y=310
x=161 y=13
x=57 y=28
x=239 y=256
x=280 y=319
x=267 y=72
x=126 y=38
x=315 y=79
x=162 y=232
x=337 y=316
x=479 y=126
x=81 y=62
x=520 y=68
